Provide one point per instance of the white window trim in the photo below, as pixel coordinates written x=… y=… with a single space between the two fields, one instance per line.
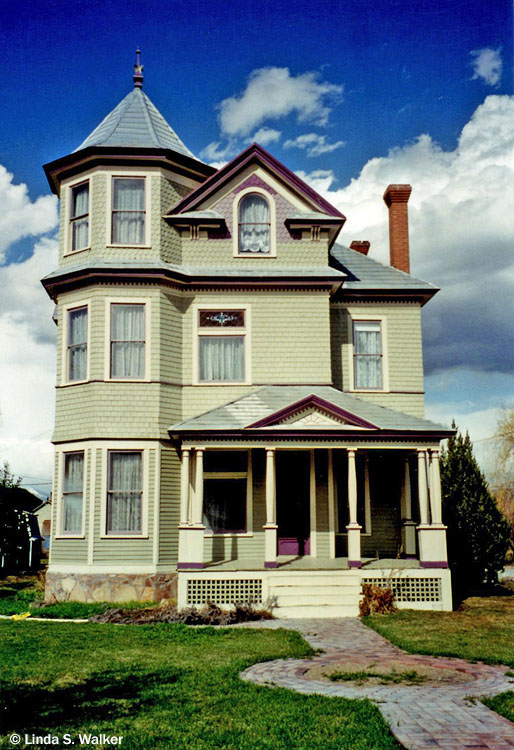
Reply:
x=146 y=301
x=382 y=319
x=64 y=349
x=244 y=332
x=147 y=244
x=68 y=228
x=248 y=474
x=126 y=448
x=60 y=533
x=235 y=224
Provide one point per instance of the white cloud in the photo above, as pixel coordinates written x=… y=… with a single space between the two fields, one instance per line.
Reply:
x=217 y=153
x=27 y=334
x=320 y=179
x=272 y=93
x=487 y=65
x=313 y=144
x=265 y=135
x=461 y=232
x=19 y=216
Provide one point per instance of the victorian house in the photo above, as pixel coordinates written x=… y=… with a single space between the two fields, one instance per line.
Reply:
x=239 y=394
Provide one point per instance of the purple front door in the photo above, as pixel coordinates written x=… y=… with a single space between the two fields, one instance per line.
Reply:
x=293 y=502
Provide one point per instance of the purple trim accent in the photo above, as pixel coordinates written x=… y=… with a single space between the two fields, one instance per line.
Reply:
x=255 y=153
x=354 y=563
x=425 y=564
x=254 y=181
x=291 y=545
x=273 y=564
x=189 y=566
x=306 y=402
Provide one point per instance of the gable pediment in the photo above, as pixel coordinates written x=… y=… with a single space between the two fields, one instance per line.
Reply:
x=313 y=412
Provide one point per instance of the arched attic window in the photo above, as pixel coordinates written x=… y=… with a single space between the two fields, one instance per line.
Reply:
x=254 y=225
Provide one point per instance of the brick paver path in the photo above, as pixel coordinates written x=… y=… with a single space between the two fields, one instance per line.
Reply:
x=422 y=717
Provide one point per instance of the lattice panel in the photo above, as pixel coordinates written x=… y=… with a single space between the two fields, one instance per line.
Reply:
x=410 y=589
x=223 y=591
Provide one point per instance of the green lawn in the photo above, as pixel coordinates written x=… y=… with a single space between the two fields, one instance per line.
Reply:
x=482 y=630
x=166 y=686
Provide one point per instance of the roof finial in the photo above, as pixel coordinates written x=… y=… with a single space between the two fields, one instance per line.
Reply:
x=138 y=71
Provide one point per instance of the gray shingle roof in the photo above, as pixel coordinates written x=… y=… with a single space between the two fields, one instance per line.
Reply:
x=269 y=399
x=366 y=273
x=136 y=122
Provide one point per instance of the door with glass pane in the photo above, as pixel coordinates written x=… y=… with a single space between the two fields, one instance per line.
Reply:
x=293 y=502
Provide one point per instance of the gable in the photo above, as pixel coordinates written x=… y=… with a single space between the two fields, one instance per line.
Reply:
x=313 y=411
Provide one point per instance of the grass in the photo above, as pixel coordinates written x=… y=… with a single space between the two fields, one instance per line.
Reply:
x=481 y=630
x=164 y=686
x=410 y=677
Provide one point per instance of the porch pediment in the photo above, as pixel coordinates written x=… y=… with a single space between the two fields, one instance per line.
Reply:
x=313 y=412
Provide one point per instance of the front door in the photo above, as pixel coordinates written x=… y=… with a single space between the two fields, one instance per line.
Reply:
x=293 y=502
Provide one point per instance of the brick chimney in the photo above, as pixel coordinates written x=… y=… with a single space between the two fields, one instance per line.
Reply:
x=360 y=246
x=396 y=198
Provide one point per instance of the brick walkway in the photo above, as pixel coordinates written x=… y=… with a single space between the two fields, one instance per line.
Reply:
x=421 y=717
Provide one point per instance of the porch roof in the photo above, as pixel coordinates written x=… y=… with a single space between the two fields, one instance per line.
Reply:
x=280 y=410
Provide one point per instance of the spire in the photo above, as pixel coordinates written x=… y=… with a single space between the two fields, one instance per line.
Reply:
x=138 y=71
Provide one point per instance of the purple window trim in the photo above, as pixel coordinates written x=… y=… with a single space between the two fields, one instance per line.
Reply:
x=272 y=564
x=355 y=563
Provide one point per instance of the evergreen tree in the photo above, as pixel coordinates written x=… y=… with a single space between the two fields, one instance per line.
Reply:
x=478 y=534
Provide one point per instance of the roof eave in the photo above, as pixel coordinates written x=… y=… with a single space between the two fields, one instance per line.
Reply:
x=176 y=433
x=76 y=162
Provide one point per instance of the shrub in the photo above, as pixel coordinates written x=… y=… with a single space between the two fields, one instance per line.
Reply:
x=209 y=614
x=478 y=535
x=376 y=601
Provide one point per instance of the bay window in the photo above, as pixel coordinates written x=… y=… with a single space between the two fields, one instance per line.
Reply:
x=79 y=216
x=128 y=211
x=72 y=493
x=127 y=341
x=221 y=345
x=225 y=492
x=367 y=355
x=77 y=344
x=124 y=492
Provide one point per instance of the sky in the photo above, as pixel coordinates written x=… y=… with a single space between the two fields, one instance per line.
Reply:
x=352 y=96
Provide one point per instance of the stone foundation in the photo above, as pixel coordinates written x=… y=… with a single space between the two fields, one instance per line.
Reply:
x=109 y=587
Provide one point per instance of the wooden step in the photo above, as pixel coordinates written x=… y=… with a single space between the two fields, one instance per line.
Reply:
x=317 y=611
x=305 y=589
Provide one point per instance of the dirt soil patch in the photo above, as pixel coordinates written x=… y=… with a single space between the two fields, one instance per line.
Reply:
x=396 y=672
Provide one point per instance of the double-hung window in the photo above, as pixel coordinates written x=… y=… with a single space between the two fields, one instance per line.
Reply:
x=368 y=355
x=254 y=225
x=72 y=493
x=127 y=341
x=225 y=492
x=221 y=346
x=124 y=492
x=128 y=211
x=77 y=344
x=79 y=216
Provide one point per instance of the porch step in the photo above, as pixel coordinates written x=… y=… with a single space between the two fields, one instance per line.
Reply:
x=316 y=593
x=317 y=611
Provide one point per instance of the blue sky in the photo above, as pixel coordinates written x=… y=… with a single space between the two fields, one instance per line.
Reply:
x=378 y=92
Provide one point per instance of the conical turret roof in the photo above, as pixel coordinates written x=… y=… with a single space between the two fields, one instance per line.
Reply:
x=136 y=122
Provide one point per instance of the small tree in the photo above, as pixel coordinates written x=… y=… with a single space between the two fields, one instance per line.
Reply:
x=478 y=534
x=7 y=478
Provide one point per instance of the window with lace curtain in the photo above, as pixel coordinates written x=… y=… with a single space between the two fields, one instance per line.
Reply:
x=79 y=216
x=77 y=344
x=128 y=211
x=72 y=493
x=125 y=492
x=127 y=341
x=221 y=346
x=254 y=225
x=367 y=355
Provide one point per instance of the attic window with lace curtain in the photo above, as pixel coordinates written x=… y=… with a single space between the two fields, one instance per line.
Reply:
x=254 y=225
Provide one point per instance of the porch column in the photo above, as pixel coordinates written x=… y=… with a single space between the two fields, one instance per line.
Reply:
x=353 y=529
x=408 y=525
x=331 y=507
x=431 y=537
x=191 y=530
x=270 y=528
x=312 y=496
